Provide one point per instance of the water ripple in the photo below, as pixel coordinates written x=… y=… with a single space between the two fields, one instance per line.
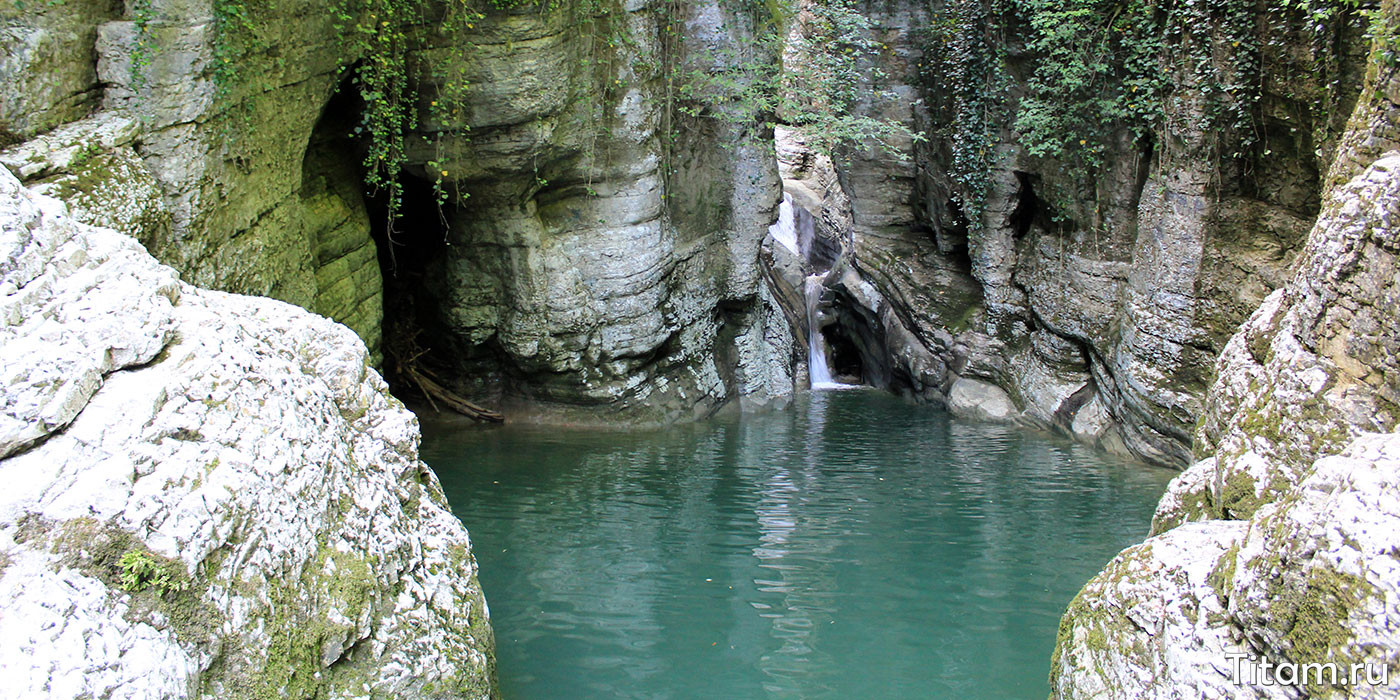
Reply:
x=854 y=547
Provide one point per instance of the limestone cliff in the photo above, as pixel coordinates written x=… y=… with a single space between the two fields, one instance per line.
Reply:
x=234 y=189
x=1012 y=285
x=1278 y=545
x=597 y=245
x=209 y=495
x=603 y=261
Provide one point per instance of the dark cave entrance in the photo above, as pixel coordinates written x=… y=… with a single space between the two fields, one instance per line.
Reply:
x=411 y=242
x=409 y=249
x=845 y=357
x=1029 y=208
x=403 y=249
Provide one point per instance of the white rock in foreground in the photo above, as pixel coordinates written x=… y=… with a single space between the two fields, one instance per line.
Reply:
x=1279 y=545
x=238 y=460
x=1310 y=580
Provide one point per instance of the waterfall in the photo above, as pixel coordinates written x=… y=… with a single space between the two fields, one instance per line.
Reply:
x=817 y=368
x=785 y=230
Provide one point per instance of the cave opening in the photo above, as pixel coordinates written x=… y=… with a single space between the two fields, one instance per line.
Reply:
x=423 y=360
x=337 y=227
x=847 y=365
x=1028 y=206
x=410 y=243
x=374 y=269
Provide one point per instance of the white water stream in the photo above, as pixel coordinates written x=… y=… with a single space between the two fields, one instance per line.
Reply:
x=816 y=344
x=785 y=231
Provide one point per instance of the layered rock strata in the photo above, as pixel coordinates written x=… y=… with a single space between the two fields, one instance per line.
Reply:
x=1097 y=312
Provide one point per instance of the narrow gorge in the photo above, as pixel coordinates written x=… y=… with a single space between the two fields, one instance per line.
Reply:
x=896 y=319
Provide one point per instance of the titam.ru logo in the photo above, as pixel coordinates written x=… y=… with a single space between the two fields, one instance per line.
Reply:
x=1250 y=670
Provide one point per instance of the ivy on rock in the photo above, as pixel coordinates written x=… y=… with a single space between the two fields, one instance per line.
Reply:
x=1095 y=71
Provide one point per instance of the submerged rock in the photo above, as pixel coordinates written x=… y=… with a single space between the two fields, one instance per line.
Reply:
x=209 y=495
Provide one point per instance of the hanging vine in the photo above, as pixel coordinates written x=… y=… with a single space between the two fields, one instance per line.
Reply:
x=1103 y=69
x=963 y=68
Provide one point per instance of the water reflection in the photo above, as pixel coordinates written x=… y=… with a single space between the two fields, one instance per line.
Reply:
x=855 y=546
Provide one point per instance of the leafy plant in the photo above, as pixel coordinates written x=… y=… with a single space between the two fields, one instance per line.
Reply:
x=236 y=37
x=140 y=570
x=826 y=74
x=1105 y=69
x=963 y=69
x=143 y=49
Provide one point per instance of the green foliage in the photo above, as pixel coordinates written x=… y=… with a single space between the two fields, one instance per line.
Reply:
x=826 y=75
x=140 y=570
x=964 y=70
x=377 y=31
x=1099 y=63
x=37 y=5
x=830 y=72
x=1105 y=70
x=143 y=50
x=236 y=38
x=1380 y=29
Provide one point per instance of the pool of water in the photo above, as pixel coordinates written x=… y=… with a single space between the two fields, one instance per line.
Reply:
x=854 y=546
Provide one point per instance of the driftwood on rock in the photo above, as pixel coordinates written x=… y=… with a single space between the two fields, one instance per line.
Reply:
x=436 y=392
x=403 y=353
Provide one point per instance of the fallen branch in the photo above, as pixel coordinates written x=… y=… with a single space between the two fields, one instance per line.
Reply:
x=433 y=390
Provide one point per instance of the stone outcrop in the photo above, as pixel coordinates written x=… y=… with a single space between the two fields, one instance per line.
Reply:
x=48 y=59
x=1312 y=578
x=233 y=192
x=1279 y=544
x=209 y=495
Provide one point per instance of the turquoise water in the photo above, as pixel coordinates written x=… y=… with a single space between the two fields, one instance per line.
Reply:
x=854 y=546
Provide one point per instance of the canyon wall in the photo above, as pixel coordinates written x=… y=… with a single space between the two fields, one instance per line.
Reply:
x=1277 y=546
x=603 y=263
x=595 y=260
x=232 y=187
x=592 y=258
x=1009 y=287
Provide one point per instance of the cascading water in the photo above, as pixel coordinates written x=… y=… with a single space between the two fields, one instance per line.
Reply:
x=784 y=230
x=794 y=230
x=817 y=367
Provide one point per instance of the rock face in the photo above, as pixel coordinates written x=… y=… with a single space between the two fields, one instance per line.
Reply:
x=209 y=495
x=235 y=187
x=1312 y=578
x=599 y=248
x=604 y=265
x=48 y=55
x=1279 y=545
x=1098 y=309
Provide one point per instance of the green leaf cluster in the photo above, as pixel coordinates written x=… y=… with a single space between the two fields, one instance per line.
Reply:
x=1095 y=72
x=140 y=570
x=829 y=71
